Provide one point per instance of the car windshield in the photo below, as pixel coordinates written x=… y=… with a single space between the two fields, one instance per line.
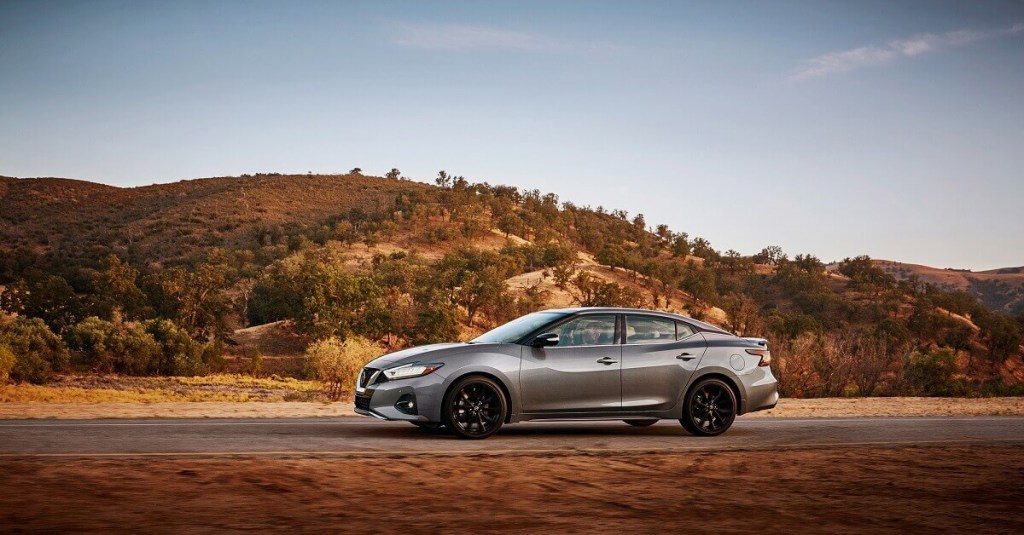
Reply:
x=516 y=329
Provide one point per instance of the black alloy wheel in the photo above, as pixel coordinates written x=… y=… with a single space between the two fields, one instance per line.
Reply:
x=710 y=408
x=641 y=423
x=474 y=408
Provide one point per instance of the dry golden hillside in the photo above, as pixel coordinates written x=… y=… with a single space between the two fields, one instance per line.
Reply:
x=166 y=221
x=1001 y=290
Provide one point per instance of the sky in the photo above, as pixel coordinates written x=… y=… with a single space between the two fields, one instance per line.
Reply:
x=888 y=128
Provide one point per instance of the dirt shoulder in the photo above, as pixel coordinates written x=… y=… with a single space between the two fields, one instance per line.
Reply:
x=854 y=490
x=798 y=408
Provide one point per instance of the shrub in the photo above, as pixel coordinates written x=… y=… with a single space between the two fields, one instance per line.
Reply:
x=255 y=362
x=38 y=352
x=179 y=353
x=137 y=350
x=115 y=346
x=337 y=362
x=89 y=337
x=6 y=363
x=931 y=373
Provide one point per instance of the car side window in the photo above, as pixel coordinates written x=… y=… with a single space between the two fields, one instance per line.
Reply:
x=683 y=330
x=594 y=330
x=649 y=330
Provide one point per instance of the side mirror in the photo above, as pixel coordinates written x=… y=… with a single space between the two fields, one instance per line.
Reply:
x=544 y=340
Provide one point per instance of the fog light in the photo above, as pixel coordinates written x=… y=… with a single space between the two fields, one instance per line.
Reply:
x=406 y=404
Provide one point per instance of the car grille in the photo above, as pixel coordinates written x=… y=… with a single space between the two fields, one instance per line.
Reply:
x=363 y=403
x=365 y=376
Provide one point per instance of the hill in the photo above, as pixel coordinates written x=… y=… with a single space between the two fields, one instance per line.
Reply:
x=168 y=222
x=1001 y=290
x=402 y=262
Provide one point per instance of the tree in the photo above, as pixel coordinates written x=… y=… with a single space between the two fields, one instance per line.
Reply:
x=443 y=180
x=48 y=297
x=680 y=245
x=699 y=283
x=356 y=171
x=702 y=248
x=114 y=288
x=393 y=174
x=196 y=299
x=590 y=291
x=38 y=352
x=770 y=255
x=436 y=322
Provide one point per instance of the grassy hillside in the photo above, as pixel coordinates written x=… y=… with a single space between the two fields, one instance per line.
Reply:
x=1002 y=290
x=106 y=270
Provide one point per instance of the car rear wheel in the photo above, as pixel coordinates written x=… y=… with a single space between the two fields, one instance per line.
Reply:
x=474 y=408
x=641 y=423
x=710 y=408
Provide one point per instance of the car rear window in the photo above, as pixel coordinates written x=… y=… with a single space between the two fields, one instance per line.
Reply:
x=649 y=329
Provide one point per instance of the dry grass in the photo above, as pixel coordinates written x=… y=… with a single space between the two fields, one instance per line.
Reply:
x=119 y=389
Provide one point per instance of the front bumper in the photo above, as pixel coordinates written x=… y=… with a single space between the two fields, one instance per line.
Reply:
x=417 y=399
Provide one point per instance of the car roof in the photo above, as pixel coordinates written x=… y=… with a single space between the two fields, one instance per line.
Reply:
x=620 y=310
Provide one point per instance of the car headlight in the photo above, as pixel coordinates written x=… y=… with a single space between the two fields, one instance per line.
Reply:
x=410 y=370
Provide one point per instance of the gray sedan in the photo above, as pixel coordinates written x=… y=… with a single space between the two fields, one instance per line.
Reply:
x=635 y=365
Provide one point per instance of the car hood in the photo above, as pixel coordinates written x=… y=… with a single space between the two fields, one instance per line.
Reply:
x=413 y=354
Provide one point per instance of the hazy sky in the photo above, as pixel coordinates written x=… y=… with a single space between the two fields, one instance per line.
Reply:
x=894 y=129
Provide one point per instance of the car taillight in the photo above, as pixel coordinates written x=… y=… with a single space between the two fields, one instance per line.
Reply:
x=766 y=356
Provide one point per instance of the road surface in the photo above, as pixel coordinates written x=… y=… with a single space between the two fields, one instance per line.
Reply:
x=360 y=437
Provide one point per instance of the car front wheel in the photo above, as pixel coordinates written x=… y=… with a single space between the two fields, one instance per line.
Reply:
x=474 y=408
x=710 y=408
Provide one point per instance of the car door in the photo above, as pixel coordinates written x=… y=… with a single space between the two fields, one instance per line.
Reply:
x=579 y=375
x=658 y=358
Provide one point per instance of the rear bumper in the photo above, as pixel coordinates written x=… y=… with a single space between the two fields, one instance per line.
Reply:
x=762 y=394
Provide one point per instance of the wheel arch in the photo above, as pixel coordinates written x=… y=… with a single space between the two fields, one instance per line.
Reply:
x=724 y=377
x=505 y=391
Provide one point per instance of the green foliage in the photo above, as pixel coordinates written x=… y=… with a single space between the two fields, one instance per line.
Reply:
x=48 y=297
x=271 y=250
x=114 y=288
x=196 y=299
x=770 y=255
x=590 y=291
x=38 y=352
x=1003 y=335
x=179 y=353
x=255 y=367
x=322 y=295
x=931 y=373
x=7 y=362
x=337 y=362
x=699 y=282
x=865 y=275
x=437 y=322
x=122 y=347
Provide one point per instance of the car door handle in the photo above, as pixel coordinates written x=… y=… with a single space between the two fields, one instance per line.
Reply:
x=685 y=356
x=607 y=360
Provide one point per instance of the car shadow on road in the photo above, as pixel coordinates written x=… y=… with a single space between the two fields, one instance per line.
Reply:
x=408 y=432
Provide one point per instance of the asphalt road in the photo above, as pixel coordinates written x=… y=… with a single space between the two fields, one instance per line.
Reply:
x=326 y=437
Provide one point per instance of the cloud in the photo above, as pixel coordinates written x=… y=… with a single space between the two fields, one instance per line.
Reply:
x=869 y=56
x=464 y=37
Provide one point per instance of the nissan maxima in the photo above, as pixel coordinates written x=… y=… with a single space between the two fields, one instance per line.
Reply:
x=639 y=366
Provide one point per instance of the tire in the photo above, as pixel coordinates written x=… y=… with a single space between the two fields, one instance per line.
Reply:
x=641 y=423
x=710 y=408
x=427 y=425
x=474 y=408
